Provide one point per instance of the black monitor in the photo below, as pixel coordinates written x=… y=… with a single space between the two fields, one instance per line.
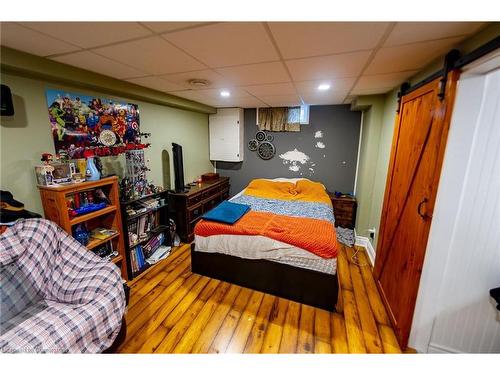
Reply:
x=178 y=168
x=6 y=106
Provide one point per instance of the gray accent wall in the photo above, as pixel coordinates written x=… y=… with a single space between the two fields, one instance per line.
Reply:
x=326 y=151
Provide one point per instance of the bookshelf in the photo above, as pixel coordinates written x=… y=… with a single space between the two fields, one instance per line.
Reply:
x=142 y=226
x=55 y=206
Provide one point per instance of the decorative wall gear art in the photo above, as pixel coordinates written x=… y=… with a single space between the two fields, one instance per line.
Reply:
x=262 y=144
x=253 y=144
x=260 y=136
x=266 y=150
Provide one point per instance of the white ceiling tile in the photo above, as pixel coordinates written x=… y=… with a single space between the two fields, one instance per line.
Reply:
x=336 y=85
x=157 y=83
x=301 y=39
x=409 y=57
x=255 y=74
x=237 y=102
x=325 y=67
x=162 y=27
x=90 y=61
x=374 y=91
x=322 y=98
x=410 y=32
x=226 y=44
x=91 y=34
x=271 y=89
x=383 y=80
x=153 y=55
x=23 y=39
x=215 y=79
x=281 y=100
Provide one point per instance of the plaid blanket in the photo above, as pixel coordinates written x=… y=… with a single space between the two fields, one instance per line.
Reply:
x=56 y=296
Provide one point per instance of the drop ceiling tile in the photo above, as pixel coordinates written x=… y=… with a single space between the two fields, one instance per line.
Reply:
x=301 y=39
x=409 y=57
x=374 y=91
x=215 y=79
x=256 y=74
x=410 y=32
x=378 y=81
x=226 y=44
x=162 y=27
x=157 y=83
x=153 y=55
x=318 y=98
x=237 y=102
x=336 y=85
x=23 y=39
x=326 y=67
x=91 y=34
x=271 y=89
x=90 y=61
x=281 y=100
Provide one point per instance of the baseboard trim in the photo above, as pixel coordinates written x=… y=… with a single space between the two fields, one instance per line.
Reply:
x=436 y=348
x=366 y=243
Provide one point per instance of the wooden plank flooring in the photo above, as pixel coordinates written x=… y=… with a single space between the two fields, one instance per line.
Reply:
x=172 y=310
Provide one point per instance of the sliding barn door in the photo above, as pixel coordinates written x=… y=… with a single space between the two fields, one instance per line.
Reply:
x=416 y=157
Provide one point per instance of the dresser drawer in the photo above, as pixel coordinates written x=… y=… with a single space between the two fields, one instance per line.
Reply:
x=194 y=213
x=194 y=199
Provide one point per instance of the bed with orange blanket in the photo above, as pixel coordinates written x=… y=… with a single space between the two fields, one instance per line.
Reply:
x=285 y=245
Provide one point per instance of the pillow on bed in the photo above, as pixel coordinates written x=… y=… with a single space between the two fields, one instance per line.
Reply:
x=292 y=180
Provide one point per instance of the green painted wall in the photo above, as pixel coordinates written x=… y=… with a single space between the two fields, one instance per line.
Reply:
x=26 y=135
x=378 y=128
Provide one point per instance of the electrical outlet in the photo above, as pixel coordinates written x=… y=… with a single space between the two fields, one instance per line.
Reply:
x=372 y=232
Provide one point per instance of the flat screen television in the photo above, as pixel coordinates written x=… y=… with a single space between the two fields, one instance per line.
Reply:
x=178 y=168
x=6 y=105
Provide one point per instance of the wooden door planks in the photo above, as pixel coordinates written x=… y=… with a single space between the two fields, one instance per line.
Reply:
x=175 y=311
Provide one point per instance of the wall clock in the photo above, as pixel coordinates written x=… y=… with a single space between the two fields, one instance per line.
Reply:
x=253 y=144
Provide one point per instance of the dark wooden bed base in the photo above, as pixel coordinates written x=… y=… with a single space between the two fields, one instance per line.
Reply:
x=297 y=284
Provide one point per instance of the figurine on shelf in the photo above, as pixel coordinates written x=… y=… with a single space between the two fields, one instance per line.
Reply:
x=47 y=158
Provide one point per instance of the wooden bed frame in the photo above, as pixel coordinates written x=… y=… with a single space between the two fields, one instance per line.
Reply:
x=313 y=288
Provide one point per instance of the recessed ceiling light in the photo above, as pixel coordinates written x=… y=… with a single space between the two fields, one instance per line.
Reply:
x=323 y=87
x=225 y=93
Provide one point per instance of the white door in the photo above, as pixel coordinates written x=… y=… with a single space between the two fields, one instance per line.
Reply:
x=454 y=312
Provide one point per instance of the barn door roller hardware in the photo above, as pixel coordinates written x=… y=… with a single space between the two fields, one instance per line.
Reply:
x=452 y=61
x=449 y=64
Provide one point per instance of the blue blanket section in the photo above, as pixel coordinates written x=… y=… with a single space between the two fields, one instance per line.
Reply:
x=311 y=210
x=227 y=212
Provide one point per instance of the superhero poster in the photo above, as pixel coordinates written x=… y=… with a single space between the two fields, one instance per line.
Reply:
x=80 y=122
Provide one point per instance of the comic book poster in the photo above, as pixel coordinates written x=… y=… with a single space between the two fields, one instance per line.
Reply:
x=79 y=122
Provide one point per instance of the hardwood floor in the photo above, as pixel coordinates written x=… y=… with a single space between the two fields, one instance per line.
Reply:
x=172 y=310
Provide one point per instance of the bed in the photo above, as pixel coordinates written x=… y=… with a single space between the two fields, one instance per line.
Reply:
x=285 y=245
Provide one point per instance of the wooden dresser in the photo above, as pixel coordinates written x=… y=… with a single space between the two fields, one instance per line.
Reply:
x=186 y=208
x=344 y=209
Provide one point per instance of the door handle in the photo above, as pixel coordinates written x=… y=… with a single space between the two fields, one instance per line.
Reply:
x=423 y=215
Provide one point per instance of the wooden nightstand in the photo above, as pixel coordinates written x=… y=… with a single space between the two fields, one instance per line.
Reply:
x=344 y=209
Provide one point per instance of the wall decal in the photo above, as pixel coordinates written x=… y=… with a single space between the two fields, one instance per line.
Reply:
x=320 y=145
x=318 y=134
x=293 y=158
